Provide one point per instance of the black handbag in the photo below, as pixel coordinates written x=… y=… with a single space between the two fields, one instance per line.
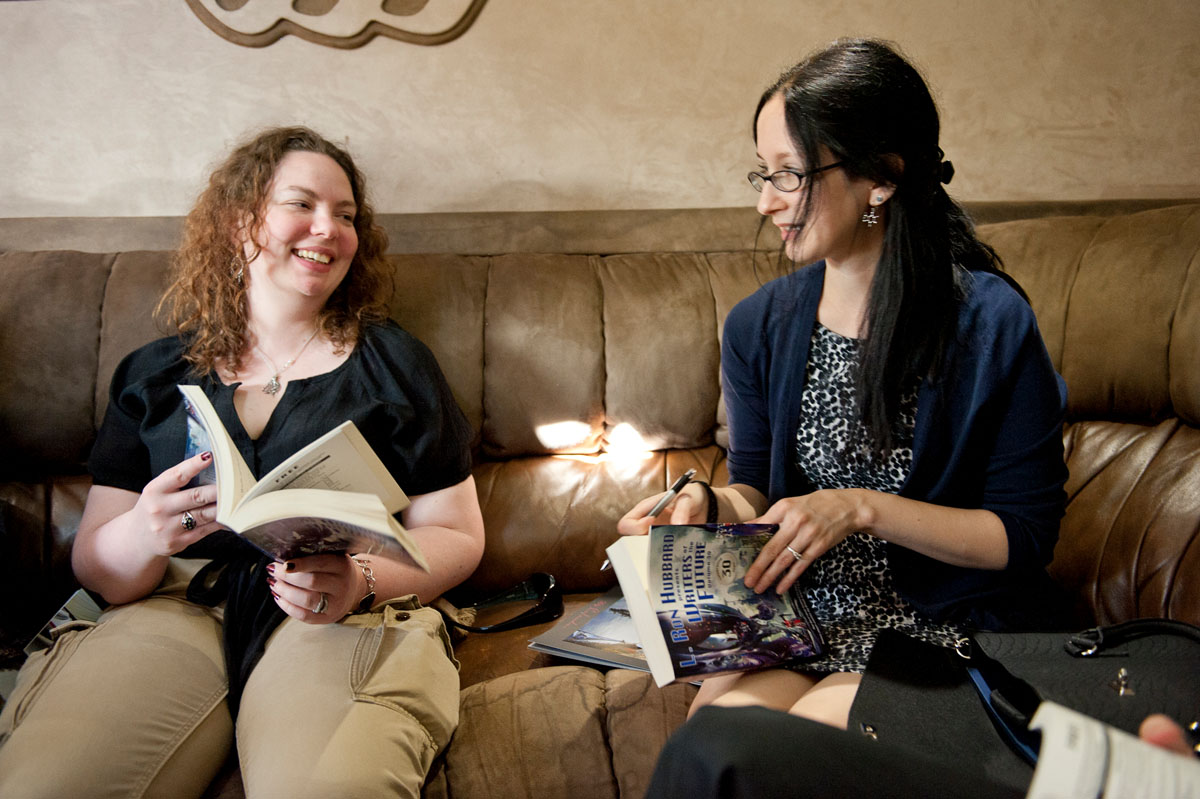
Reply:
x=1118 y=674
x=971 y=704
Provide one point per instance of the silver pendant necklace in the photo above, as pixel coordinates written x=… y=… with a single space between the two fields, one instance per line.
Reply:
x=272 y=386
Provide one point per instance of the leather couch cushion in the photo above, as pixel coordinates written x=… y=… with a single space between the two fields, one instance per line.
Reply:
x=136 y=283
x=559 y=731
x=50 y=307
x=544 y=357
x=1130 y=542
x=440 y=300
x=1116 y=300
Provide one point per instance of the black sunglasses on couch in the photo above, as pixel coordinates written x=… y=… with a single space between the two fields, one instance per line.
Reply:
x=541 y=589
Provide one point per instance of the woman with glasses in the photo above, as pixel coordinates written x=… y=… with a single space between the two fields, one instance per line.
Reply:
x=891 y=404
x=334 y=673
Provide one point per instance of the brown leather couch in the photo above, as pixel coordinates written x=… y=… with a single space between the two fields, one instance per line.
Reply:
x=583 y=349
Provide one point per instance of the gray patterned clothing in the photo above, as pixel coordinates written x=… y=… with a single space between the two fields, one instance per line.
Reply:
x=850 y=587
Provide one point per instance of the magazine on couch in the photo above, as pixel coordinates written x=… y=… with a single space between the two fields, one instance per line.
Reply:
x=601 y=633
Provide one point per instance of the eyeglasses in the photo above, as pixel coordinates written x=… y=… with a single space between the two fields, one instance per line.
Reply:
x=541 y=588
x=786 y=179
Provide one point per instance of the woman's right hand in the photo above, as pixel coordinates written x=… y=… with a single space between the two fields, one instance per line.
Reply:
x=690 y=506
x=159 y=511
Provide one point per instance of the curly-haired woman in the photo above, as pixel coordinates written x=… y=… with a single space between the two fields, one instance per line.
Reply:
x=280 y=296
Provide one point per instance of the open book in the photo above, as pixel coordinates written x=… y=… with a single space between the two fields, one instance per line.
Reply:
x=334 y=495
x=695 y=616
x=1082 y=758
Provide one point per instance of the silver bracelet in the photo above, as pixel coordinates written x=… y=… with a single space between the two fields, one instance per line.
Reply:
x=367 y=601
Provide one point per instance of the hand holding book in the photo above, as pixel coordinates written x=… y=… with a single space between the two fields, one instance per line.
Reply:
x=333 y=495
x=175 y=511
x=694 y=614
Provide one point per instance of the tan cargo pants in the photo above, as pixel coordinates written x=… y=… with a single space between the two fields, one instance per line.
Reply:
x=134 y=705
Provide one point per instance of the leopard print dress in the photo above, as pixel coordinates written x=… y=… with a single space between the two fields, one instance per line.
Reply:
x=850 y=587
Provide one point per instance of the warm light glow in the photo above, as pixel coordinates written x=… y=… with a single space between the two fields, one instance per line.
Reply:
x=625 y=443
x=626 y=446
x=562 y=435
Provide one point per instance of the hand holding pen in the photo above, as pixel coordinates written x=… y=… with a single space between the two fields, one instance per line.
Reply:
x=662 y=503
x=672 y=492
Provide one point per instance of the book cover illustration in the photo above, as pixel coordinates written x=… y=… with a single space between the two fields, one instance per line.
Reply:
x=711 y=621
x=197 y=441
x=601 y=633
x=82 y=605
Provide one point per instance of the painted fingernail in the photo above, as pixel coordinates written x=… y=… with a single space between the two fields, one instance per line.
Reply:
x=275 y=595
x=206 y=456
x=271 y=581
x=271 y=568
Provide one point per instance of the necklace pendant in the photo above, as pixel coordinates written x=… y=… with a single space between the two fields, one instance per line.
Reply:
x=272 y=386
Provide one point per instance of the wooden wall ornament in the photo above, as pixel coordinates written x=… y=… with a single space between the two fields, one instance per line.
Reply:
x=345 y=24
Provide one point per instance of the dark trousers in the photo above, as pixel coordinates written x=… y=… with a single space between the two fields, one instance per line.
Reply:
x=755 y=753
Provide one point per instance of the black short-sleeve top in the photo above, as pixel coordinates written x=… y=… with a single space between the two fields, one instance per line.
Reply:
x=390 y=386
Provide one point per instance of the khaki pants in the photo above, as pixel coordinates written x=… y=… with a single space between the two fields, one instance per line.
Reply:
x=134 y=706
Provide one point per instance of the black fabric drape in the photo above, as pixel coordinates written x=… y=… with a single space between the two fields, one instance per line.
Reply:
x=239 y=579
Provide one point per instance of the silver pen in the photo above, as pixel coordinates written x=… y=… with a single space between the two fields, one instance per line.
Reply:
x=672 y=492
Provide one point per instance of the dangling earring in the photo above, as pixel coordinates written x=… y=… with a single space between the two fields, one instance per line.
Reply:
x=871 y=217
x=237 y=268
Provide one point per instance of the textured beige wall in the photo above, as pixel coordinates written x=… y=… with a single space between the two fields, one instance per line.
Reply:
x=117 y=108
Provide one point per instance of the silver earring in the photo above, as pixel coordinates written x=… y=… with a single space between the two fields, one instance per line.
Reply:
x=871 y=217
x=237 y=268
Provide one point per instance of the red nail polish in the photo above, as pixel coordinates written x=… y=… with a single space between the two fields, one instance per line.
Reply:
x=271 y=581
x=206 y=456
x=275 y=595
x=271 y=568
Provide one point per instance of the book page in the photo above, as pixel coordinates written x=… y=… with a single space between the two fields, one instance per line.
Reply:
x=301 y=521
x=1082 y=758
x=340 y=460
x=628 y=555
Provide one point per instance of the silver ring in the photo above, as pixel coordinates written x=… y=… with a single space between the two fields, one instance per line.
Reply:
x=795 y=554
x=324 y=603
x=188 y=521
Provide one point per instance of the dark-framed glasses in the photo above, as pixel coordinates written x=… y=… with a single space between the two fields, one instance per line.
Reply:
x=786 y=179
x=535 y=600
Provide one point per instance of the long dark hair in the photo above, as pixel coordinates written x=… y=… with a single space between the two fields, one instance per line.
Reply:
x=871 y=109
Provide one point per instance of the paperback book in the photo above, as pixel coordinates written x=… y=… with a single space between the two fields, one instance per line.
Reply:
x=1083 y=758
x=695 y=616
x=334 y=495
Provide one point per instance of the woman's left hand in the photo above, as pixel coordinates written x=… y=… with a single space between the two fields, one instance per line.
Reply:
x=809 y=526
x=331 y=584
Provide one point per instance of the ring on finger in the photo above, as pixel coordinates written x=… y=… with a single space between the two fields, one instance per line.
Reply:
x=324 y=603
x=795 y=554
x=188 y=521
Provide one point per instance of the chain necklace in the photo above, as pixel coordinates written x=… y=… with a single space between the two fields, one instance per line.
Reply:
x=272 y=386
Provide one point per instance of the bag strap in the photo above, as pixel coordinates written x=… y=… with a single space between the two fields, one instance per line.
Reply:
x=1010 y=702
x=1087 y=643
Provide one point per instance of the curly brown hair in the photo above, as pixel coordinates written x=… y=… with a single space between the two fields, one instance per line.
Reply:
x=206 y=300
